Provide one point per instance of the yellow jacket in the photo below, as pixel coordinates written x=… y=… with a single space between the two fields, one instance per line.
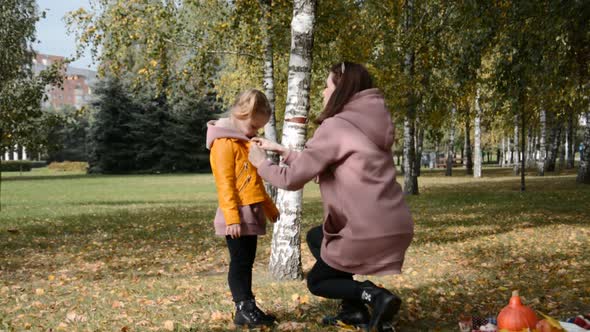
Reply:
x=236 y=179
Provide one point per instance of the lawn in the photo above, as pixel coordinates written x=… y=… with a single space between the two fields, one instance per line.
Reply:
x=136 y=253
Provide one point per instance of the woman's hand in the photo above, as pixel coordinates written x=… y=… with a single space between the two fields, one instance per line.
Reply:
x=233 y=230
x=269 y=145
x=256 y=155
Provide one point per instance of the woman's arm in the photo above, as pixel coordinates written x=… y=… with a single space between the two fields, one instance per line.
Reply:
x=271 y=146
x=322 y=150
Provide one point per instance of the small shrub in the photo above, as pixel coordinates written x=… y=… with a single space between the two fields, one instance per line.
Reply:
x=38 y=164
x=15 y=166
x=69 y=166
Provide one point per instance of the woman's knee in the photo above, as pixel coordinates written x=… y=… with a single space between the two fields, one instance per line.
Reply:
x=314 y=237
x=313 y=285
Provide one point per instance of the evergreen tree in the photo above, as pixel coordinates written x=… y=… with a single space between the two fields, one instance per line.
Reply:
x=111 y=145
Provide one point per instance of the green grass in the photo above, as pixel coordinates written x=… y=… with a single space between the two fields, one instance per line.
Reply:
x=137 y=253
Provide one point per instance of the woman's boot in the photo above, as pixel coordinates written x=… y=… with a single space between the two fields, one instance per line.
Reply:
x=352 y=313
x=249 y=315
x=384 y=304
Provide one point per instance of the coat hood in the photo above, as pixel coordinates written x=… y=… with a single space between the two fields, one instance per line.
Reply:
x=366 y=111
x=222 y=129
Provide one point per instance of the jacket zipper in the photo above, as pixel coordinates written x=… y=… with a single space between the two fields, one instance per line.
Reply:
x=244 y=168
x=244 y=184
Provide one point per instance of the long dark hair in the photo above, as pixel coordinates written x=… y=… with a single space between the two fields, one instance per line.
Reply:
x=349 y=79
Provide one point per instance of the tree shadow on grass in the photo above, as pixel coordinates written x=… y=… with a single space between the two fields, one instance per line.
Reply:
x=454 y=213
x=120 y=240
x=48 y=177
x=542 y=280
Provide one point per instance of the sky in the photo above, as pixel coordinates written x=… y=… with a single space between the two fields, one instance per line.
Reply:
x=52 y=37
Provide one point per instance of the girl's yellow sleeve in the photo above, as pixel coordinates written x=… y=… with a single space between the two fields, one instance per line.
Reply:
x=223 y=167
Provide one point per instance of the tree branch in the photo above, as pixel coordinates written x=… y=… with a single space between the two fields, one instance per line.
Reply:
x=253 y=56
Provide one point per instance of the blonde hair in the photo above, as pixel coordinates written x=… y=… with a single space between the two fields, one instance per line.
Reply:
x=250 y=103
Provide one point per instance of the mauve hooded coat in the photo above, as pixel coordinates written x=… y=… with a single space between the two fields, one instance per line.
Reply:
x=367 y=224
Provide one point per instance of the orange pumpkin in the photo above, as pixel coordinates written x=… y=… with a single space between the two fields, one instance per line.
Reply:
x=516 y=316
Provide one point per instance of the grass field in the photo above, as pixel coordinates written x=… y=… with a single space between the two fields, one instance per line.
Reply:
x=136 y=253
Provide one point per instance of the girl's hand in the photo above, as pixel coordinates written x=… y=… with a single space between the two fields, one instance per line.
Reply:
x=269 y=145
x=256 y=155
x=233 y=230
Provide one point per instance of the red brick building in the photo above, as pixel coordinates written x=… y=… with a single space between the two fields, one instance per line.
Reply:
x=77 y=86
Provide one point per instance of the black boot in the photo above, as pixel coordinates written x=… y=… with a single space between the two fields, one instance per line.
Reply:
x=249 y=315
x=351 y=313
x=384 y=305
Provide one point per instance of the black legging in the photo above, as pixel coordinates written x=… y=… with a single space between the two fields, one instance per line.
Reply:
x=326 y=281
x=242 y=252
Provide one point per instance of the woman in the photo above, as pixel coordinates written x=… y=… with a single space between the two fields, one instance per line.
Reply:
x=367 y=225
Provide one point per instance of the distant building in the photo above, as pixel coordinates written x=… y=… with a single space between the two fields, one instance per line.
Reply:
x=76 y=91
x=77 y=86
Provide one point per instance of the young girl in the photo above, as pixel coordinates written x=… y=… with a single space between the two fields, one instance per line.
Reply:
x=244 y=204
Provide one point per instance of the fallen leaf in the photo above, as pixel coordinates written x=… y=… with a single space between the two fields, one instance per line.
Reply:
x=169 y=325
x=291 y=326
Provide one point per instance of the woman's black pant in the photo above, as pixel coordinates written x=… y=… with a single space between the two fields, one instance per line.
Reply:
x=326 y=281
x=242 y=252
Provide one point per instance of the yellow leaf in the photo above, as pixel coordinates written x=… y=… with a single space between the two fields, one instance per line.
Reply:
x=295 y=297
x=169 y=325
x=142 y=71
x=39 y=291
x=552 y=321
x=291 y=326
x=154 y=63
x=51 y=277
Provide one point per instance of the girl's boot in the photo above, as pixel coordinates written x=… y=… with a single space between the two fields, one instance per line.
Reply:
x=384 y=304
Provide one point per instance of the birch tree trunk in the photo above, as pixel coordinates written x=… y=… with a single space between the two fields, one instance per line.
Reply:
x=468 y=152
x=516 y=165
x=561 y=149
x=285 y=258
x=410 y=177
x=584 y=169
x=419 y=145
x=451 y=146
x=477 y=138
x=270 y=129
x=570 y=151
x=553 y=148
x=530 y=153
x=504 y=151
x=542 y=148
x=523 y=146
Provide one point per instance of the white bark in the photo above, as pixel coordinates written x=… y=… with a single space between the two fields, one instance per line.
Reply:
x=570 y=151
x=270 y=129
x=516 y=164
x=584 y=169
x=451 y=146
x=468 y=160
x=410 y=176
x=285 y=258
x=504 y=156
x=542 y=146
x=477 y=139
